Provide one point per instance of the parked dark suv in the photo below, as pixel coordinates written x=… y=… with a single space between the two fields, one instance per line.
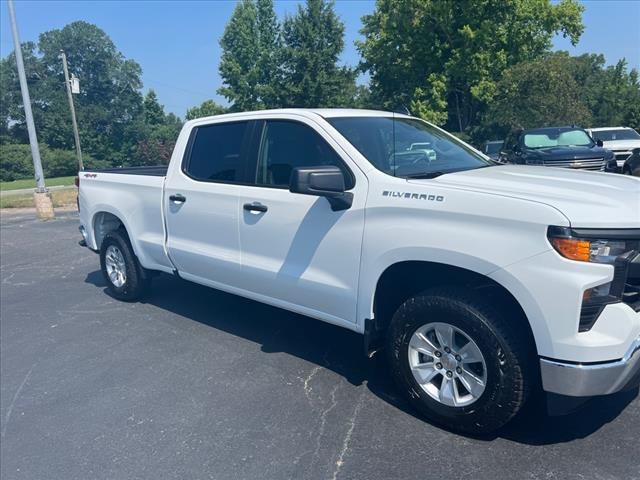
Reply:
x=569 y=147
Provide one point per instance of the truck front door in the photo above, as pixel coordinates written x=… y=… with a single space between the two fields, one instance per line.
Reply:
x=296 y=250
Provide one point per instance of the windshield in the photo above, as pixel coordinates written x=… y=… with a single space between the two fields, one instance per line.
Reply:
x=555 y=137
x=619 y=134
x=492 y=147
x=406 y=147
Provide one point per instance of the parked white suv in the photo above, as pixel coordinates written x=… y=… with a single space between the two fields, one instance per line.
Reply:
x=480 y=281
x=620 y=140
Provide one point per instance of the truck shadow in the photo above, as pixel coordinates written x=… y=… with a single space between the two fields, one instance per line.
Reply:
x=341 y=351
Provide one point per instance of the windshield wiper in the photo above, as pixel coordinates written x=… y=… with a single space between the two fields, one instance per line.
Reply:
x=437 y=173
x=425 y=175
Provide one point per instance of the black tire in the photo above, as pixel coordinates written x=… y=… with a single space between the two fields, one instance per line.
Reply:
x=137 y=278
x=508 y=353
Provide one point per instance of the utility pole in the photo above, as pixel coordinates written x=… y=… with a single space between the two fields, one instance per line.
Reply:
x=44 y=208
x=76 y=136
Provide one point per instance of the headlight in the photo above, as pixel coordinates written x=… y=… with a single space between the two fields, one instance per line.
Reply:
x=585 y=246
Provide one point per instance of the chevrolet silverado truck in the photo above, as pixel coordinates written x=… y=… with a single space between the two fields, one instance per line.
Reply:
x=482 y=283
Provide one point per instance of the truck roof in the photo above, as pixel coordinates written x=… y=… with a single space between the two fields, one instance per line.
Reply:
x=323 y=112
x=600 y=129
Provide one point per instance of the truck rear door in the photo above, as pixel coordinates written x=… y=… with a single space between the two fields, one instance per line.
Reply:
x=201 y=203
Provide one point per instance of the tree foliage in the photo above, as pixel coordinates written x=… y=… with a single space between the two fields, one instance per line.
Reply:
x=539 y=93
x=153 y=111
x=558 y=89
x=117 y=125
x=313 y=41
x=446 y=56
x=205 y=109
x=17 y=163
x=478 y=67
x=265 y=65
x=109 y=98
x=250 y=56
x=156 y=133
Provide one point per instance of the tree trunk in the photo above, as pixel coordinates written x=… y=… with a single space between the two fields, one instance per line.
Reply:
x=458 y=112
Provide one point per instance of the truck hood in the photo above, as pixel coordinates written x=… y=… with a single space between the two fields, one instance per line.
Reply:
x=587 y=199
x=622 y=144
x=549 y=154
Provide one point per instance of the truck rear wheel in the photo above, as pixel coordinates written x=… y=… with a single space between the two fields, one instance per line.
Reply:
x=126 y=278
x=459 y=362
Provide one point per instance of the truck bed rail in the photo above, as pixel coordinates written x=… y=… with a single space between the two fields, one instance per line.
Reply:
x=155 y=171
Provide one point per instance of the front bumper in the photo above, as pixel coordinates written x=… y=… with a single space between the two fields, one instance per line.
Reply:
x=588 y=380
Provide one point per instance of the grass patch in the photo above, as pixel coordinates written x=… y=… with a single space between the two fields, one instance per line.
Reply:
x=31 y=183
x=60 y=198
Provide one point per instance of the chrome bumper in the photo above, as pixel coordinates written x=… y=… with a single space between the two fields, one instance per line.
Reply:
x=580 y=380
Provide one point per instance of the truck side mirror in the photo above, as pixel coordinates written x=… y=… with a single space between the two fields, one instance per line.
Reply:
x=599 y=142
x=322 y=181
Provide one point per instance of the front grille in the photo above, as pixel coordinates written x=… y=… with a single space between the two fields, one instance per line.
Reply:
x=621 y=154
x=596 y=164
x=631 y=294
x=625 y=286
x=589 y=314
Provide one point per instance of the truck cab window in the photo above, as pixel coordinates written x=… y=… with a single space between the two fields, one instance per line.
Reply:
x=216 y=151
x=286 y=145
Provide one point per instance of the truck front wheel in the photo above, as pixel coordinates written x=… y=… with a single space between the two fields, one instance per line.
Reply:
x=459 y=361
x=126 y=278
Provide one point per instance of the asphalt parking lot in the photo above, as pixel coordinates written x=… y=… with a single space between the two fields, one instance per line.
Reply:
x=197 y=384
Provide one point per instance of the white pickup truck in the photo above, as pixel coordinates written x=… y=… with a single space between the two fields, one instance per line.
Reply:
x=482 y=282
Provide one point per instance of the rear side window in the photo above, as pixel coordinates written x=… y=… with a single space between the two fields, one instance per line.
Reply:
x=286 y=145
x=216 y=152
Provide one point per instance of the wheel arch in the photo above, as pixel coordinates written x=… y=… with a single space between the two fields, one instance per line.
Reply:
x=406 y=278
x=105 y=221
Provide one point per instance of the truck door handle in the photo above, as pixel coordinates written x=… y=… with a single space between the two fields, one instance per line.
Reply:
x=255 y=207
x=178 y=198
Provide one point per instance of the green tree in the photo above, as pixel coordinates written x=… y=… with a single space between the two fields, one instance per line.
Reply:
x=109 y=99
x=13 y=128
x=153 y=111
x=250 y=56
x=616 y=97
x=156 y=133
x=155 y=144
x=313 y=40
x=454 y=51
x=269 y=54
x=542 y=92
x=561 y=89
x=17 y=163
x=205 y=109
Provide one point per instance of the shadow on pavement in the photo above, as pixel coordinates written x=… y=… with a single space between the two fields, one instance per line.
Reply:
x=341 y=351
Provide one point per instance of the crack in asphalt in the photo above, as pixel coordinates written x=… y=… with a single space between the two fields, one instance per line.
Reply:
x=321 y=428
x=7 y=416
x=347 y=437
x=307 y=387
